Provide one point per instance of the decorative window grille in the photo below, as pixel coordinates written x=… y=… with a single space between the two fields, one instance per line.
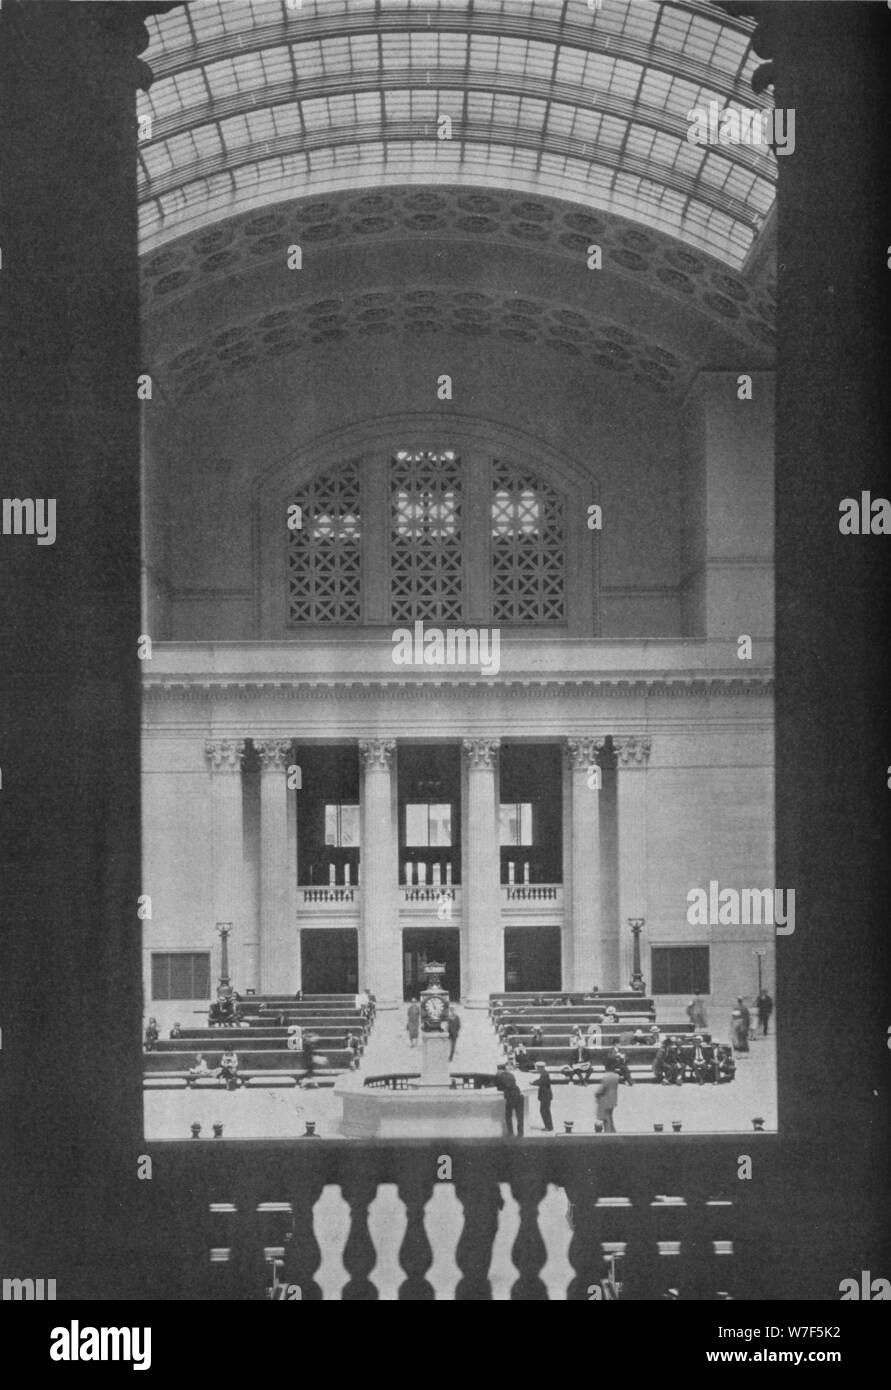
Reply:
x=528 y=548
x=426 y=539
x=325 y=552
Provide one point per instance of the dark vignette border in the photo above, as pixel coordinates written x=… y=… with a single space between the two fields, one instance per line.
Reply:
x=70 y=977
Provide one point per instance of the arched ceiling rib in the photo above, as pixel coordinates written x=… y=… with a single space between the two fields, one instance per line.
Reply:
x=255 y=103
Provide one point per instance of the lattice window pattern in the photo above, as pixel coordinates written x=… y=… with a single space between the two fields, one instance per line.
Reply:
x=426 y=538
x=325 y=553
x=528 y=548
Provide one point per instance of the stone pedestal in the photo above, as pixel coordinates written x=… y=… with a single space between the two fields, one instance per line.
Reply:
x=434 y=1059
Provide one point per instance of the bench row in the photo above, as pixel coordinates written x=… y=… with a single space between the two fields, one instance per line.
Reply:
x=634 y=1056
x=249 y=1042
x=275 y=1058
x=610 y=1033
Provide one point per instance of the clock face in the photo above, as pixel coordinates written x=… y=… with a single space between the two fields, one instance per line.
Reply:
x=434 y=1009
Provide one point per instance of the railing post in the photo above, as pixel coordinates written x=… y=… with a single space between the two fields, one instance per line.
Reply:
x=480 y=1196
x=359 y=1188
x=415 y=1253
x=529 y=1252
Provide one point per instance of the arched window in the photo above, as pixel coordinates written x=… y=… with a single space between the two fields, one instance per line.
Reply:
x=426 y=537
x=528 y=548
x=325 y=551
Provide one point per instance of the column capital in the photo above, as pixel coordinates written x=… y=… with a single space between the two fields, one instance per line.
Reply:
x=580 y=753
x=633 y=750
x=377 y=753
x=481 y=753
x=273 y=753
x=224 y=754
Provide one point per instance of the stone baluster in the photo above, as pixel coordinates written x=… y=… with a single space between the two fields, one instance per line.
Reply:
x=529 y=1252
x=359 y=1189
x=415 y=1253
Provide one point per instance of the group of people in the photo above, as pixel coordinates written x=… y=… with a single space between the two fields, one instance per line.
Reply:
x=679 y=1060
x=226 y=1071
x=605 y=1096
x=741 y=1020
x=450 y=1019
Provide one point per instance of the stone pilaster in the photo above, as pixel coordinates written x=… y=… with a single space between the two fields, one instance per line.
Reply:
x=581 y=892
x=278 y=934
x=481 y=873
x=380 y=946
x=224 y=760
x=633 y=755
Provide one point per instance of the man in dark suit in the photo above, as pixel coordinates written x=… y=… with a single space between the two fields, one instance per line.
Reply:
x=513 y=1100
x=765 y=1009
x=607 y=1097
x=545 y=1095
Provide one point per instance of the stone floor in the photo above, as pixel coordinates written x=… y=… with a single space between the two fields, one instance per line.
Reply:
x=259 y=1113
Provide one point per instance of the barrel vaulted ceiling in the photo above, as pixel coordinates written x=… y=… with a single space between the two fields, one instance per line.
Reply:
x=318 y=124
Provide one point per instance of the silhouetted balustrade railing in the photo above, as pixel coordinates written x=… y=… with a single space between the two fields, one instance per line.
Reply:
x=235 y=1207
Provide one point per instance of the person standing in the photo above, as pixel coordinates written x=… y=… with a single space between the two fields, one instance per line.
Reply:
x=545 y=1095
x=738 y=1031
x=697 y=1015
x=506 y=1082
x=453 y=1028
x=746 y=1016
x=607 y=1098
x=413 y=1022
x=765 y=1009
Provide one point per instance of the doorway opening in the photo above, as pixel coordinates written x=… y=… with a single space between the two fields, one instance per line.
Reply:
x=532 y=958
x=329 y=959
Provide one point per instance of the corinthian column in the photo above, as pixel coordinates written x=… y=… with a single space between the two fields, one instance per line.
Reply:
x=633 y=754
x=481 y=874
x=224 y=760
x=277 y=933
x=582 y=893
x=380 y=959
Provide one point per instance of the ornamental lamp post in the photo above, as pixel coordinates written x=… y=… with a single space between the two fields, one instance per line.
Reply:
x=760 y=955
x=637 y=980
x=223 y=930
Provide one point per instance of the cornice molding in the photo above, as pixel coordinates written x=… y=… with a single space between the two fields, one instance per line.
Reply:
x=286 y=688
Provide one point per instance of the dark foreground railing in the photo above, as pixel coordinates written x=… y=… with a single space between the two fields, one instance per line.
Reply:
x=672 y=1208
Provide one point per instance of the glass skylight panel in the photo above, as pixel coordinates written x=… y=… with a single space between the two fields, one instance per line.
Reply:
x=638 y=21
x=307 y=60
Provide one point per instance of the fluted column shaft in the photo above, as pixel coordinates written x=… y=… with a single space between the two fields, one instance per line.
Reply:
x=481 y=873
x=277 y=933
x=224 y=759
x=380 y=957
x=633 y=756
x=583 y=891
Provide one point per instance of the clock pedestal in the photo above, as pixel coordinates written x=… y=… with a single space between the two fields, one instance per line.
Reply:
x=434 y=1059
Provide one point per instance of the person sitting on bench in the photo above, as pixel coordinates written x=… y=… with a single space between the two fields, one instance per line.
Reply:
x=665 y=1064
x=521 y=1057
x=699 y=1063
x=175 y=1031
x=726 y=1063
x=228 y=1069
x=616 y=1061
x=151 y=1034
x=537 y=1035
x=579 y=1072
x=200 y=1068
